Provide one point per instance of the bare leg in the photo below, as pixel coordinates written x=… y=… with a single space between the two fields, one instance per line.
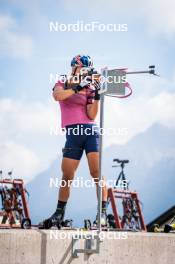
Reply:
x=69 y=167
x=93 y=162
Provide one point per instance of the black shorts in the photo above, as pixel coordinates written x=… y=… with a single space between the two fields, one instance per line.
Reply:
x=80 y=137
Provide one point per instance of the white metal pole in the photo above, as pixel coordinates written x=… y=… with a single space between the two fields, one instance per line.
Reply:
x=100 y=162
x=101 y=153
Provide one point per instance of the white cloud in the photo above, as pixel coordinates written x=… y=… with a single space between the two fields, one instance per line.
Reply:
x=24 y=131
x=138 y=114
x=24 y=162
x=6 y=22
x=18 y=117
x=13 y=44
x=158 y=14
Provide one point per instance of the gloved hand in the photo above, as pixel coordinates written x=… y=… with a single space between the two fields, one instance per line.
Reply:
x=85 y=82
x=97 y=88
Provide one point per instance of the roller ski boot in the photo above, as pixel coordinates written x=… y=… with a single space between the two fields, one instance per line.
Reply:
x=89 y=226
x=53 y=222
x=111 y=221
x=103 y=220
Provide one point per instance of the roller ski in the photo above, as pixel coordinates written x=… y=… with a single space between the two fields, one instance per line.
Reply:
x=55 y=223
x=168 y=228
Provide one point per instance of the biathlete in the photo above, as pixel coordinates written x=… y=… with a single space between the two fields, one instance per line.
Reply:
x=79 y=107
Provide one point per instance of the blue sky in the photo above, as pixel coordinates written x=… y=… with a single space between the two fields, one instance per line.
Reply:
x=29 y=53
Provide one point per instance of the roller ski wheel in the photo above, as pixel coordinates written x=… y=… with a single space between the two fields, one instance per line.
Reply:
x=67 y=223
x=26 y=223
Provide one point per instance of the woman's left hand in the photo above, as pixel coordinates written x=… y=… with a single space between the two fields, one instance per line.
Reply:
x=97 y=87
